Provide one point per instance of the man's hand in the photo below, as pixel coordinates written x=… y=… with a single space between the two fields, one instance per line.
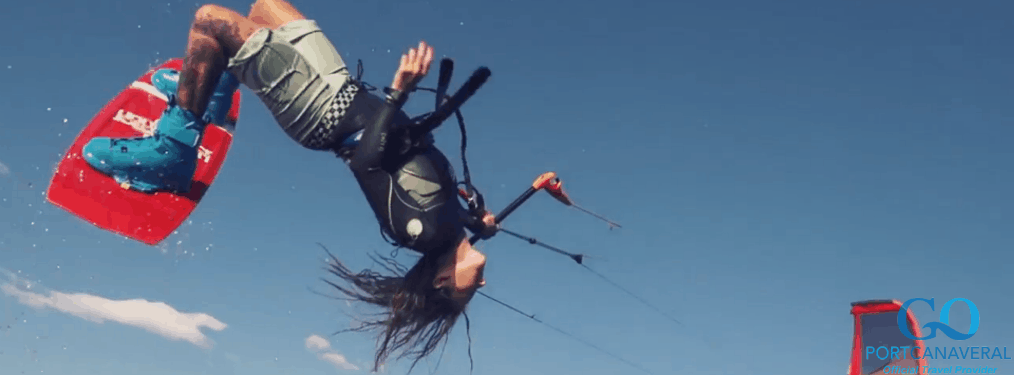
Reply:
x=490 y=229
x=414 y=66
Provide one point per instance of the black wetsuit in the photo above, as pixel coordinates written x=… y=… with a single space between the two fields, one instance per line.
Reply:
x=413 y=191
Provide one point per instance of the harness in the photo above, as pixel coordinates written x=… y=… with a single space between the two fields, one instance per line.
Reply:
x=420 y=127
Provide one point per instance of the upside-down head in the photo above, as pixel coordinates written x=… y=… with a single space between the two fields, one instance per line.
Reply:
x=421 y=304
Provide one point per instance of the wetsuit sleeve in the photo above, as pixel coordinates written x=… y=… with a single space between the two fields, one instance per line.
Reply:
x=380 y=145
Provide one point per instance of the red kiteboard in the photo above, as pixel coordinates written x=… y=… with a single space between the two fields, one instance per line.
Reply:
x=97 y=198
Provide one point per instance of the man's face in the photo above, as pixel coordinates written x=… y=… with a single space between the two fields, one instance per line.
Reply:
x=462 y=273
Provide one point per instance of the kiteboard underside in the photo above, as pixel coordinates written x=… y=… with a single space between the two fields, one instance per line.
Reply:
x=100 y=200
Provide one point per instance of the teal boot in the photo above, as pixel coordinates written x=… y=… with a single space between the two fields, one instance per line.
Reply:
x=221 y=99
x=166 y=160
x=167 y=80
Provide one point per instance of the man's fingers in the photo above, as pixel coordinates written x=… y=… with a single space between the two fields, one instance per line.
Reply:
x=420 y=55
x=421 y=63
x=424 y=65
x=427 y=60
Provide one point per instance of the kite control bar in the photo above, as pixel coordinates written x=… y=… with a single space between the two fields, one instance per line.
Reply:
x=554 y=186
x=547 y=181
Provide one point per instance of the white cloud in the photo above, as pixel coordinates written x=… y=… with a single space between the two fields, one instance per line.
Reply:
x=338 y=360
x=316 y=343
x=4 y=170
x=155 y=317
x=322 y=348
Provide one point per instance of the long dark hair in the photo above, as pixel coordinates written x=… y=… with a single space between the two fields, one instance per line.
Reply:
x=416 y=316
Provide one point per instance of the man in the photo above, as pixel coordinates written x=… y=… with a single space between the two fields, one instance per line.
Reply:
x=280 y=55
x=297 y=73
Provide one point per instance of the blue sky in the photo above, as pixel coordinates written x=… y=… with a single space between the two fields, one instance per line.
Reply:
x=771 y=162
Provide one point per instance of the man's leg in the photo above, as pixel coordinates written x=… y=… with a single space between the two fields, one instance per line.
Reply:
x=324 y=127
x=215 y=36
x=167 y=160
x=297 y=73
x=304 y=34
x=273 y=13
x=341 y=118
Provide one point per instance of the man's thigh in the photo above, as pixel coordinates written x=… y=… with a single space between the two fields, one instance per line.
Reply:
x=297 y=94
x=306 y=36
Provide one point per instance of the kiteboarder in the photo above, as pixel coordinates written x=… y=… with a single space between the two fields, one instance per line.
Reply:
x=297 y=73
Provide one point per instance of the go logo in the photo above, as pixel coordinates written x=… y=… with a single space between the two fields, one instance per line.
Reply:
x=945 y=319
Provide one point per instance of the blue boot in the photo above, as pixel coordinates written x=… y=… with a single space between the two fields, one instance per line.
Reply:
x=166 y=160
x=221 y=99
x=167 y=80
